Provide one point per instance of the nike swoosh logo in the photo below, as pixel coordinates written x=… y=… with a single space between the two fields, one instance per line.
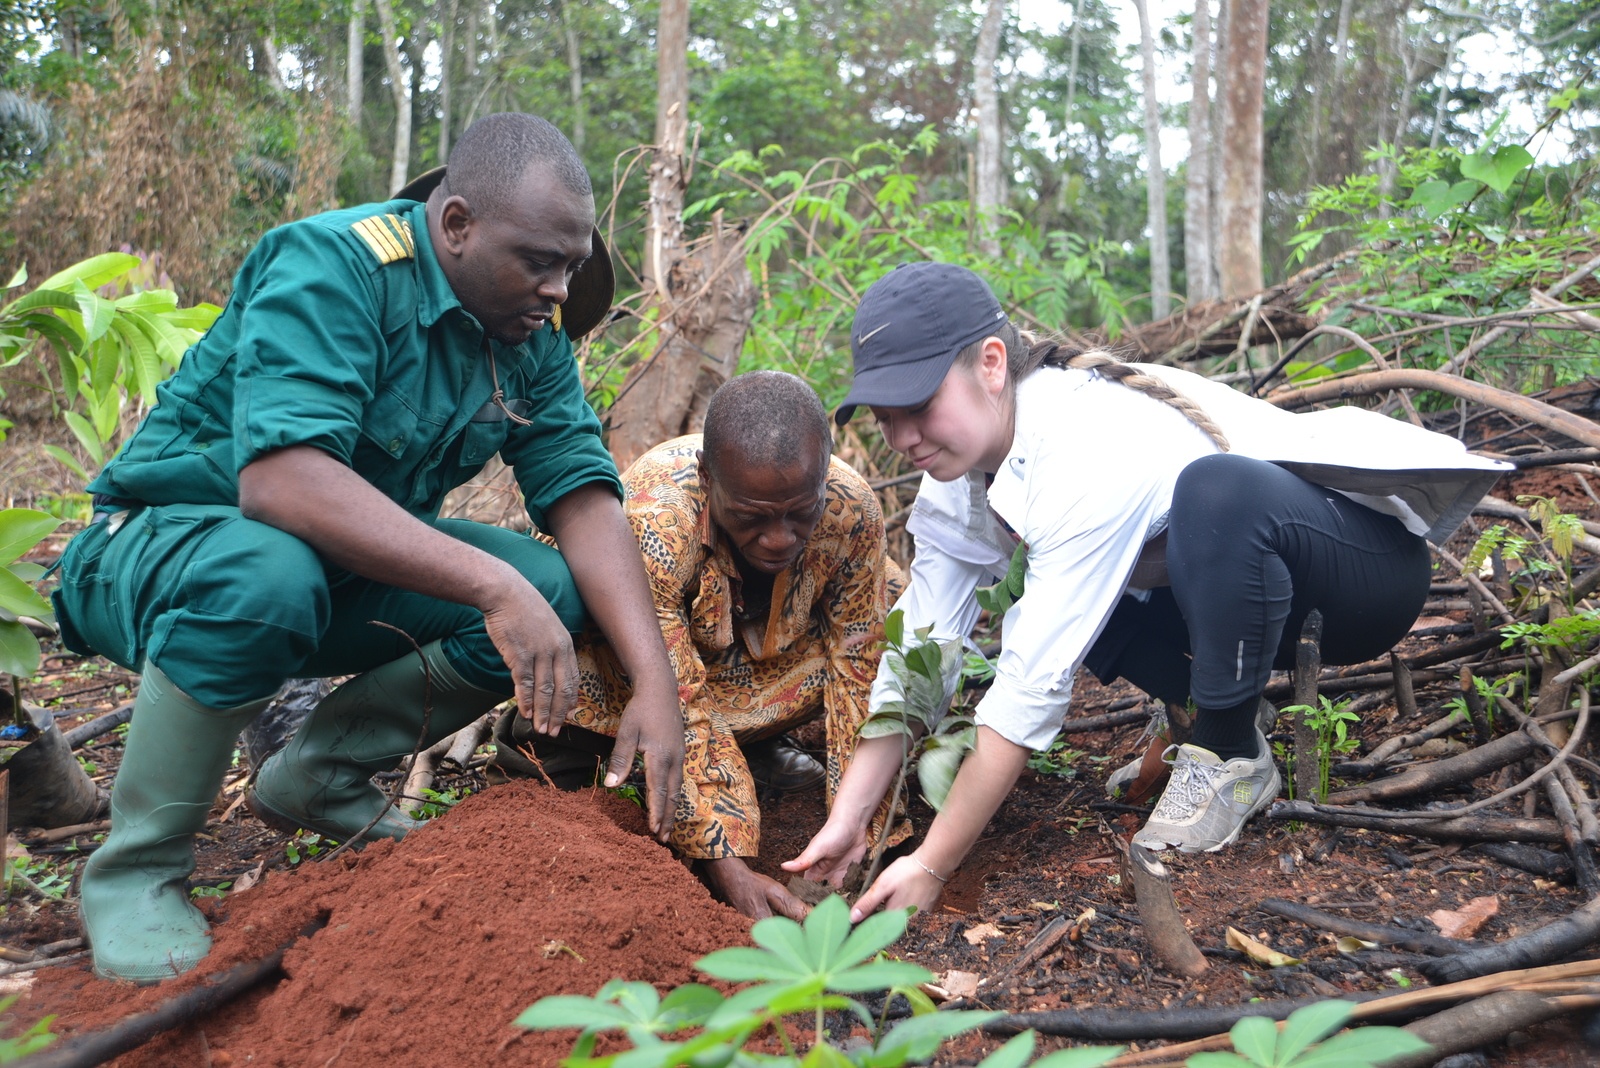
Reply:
x=864 y=338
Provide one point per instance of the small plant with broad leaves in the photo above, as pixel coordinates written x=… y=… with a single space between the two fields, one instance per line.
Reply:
x=107 y=350
x=797 y=970
x=1331 y=721
x=1259 y=1043
x=20 y=530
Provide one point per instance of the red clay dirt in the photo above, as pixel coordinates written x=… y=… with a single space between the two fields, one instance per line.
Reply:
x=435 y=944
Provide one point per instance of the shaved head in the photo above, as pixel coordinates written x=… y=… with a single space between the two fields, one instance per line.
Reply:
x=486 y=166
x=766 y=419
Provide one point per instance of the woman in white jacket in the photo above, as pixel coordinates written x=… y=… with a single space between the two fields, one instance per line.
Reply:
x=1176 y=534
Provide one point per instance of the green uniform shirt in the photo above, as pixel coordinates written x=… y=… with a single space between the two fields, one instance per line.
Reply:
x=343 y=333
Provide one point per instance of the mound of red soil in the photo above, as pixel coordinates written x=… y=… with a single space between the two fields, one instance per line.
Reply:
x=434 y=945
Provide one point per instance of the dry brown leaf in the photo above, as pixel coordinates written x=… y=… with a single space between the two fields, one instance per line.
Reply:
x=1467 y=920
x=959 y=984
x=1259 y=952
x=981 y=933
x=248 y=879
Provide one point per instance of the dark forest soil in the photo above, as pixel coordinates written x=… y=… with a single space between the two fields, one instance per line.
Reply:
x=434 y=945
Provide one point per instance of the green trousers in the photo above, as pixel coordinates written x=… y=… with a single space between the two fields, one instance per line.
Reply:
x=229 y=608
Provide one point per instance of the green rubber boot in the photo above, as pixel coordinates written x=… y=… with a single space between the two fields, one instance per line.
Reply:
x=135 y=904
x=322 y=780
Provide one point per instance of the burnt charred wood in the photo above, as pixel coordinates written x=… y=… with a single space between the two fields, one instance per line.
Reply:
x=1551 y=942
x=1527 y=858
x=1583 y=869
x=1405 y=695
x=1196 y=1022
x=1383 y=934
x=1105 y=721
x=1374 y=762
x=1307 y=666
x=1460 y=829
x=1506 y=749
x=100 y=725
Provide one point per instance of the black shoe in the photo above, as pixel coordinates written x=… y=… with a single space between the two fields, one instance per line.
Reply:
x=780 y=764
x=568 y=765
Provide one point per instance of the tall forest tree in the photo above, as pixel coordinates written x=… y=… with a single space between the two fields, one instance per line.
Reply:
x=1155 y=175
x=986 y=94
x=1199 y=225
x=1238 y=208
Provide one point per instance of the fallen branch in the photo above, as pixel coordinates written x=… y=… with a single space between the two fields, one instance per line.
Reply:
x=1527 y=858
x=1368 y=1007
x=1476 y=1024
x=1548 y=416
x=1550 y=942
x=1383 y=934
x=1041 y=943
x=1085 y=724
x=1506 y=749
x=88 y=732
x=61 y=834
x=1163 y=924
x=1456 y=829
x=97 y=1047
x=1399 y=744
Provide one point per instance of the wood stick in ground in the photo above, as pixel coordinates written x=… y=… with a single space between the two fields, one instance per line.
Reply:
x=1307 y=666
x=1457 y=829
x=100 y=725
x=1506 y=749
x=97 y=1047
x=1553 y=941
x=1405 y=695
x=1163 y=924
x=1383 y=934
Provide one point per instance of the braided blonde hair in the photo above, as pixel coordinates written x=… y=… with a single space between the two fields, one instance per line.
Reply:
x=1026 y=353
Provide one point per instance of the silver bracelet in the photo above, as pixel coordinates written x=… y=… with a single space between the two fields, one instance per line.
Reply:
x=929 y=870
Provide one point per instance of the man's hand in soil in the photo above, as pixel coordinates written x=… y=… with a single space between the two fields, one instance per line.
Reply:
x=753 y=894
x=653 y=726
x=903 y=884
x=538 y=650
x=603 y=555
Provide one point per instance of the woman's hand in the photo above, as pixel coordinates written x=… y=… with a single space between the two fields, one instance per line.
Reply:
x=905 y=883
x=831 y=851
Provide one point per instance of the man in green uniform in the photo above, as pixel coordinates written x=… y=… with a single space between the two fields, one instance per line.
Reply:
x=284 y=495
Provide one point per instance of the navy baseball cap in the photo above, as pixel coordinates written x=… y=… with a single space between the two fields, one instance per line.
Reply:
x=909 y=328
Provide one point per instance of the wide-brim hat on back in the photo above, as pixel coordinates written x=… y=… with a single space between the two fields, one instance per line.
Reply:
x=589 y=292
x=909 y=328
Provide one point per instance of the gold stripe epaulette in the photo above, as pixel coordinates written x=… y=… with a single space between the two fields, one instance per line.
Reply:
x=388 y=236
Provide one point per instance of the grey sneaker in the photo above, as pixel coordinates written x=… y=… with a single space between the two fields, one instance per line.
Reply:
x=1206 y=804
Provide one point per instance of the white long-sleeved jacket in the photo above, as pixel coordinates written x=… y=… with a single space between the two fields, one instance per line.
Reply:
x=1089 y=481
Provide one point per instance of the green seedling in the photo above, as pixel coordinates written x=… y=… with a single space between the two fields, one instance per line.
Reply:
x=1331 y=721
x=1304 y=1042
x=220 y=890
x=304 y=844
x=793 y=970
x=34 y=1039
x=436 y=803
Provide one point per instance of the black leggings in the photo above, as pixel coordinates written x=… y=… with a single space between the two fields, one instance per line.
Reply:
x=1251 y=550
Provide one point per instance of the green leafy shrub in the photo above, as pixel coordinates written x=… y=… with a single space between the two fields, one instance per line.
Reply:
x=20 y=530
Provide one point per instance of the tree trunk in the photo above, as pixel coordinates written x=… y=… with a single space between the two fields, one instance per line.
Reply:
x=1155 y=175
x=1199 y=260
x=658 y=393
x=401 y=89
x=1439 y=105
x=986 y=94
x=1239 y=210
x=354 y=64
x=447 y=47
x=574 y=74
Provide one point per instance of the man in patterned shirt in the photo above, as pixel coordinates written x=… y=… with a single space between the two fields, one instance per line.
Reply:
x=766 y=561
